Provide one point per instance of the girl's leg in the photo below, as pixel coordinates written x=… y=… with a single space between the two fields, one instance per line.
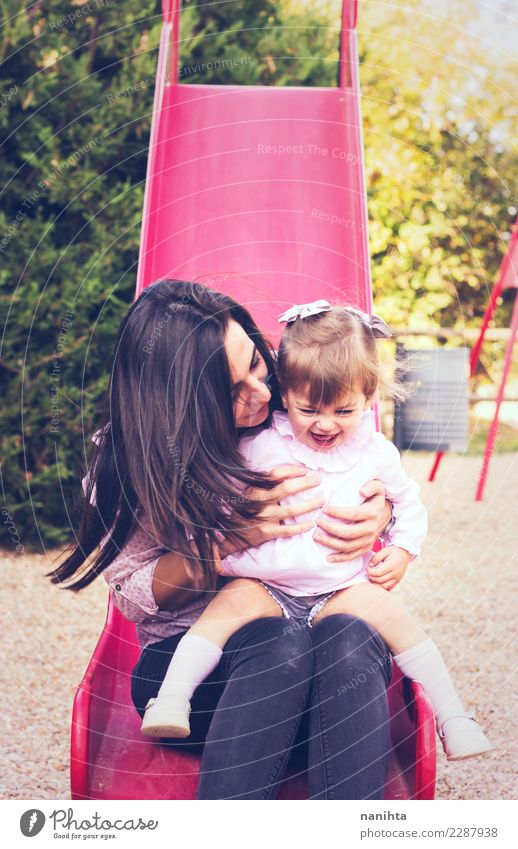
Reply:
x=349 y=740
x=418 y=658
x=381 y=609
x=148 y=675
x=199 y=652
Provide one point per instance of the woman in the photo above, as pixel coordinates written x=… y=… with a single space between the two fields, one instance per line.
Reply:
x=165 y=501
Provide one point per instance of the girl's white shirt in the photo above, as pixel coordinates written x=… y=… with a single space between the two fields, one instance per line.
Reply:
x=298 y=565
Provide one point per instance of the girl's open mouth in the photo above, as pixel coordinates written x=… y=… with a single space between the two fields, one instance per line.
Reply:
x=324 y=441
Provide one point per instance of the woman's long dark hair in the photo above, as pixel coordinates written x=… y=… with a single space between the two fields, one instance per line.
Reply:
x=168 y=447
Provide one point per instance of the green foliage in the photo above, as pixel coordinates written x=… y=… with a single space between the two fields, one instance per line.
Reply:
x=294 y=42
x=442 y=169
x=75 y=108
x=73 y=167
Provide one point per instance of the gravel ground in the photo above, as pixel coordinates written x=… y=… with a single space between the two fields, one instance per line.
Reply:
x=463 y=589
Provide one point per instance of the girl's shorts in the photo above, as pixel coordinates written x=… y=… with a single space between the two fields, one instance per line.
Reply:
x=302 y=608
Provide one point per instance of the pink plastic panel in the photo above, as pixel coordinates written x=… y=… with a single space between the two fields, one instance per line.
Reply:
x=258 y=192
x=112 y=760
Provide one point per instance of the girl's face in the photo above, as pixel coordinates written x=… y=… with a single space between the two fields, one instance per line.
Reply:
x=250 y=394
x=327 y=426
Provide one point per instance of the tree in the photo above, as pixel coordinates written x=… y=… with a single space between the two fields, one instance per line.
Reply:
x=77 y=97
x=442 y=166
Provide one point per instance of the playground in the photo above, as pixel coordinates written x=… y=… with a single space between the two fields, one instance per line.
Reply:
x=462 y=589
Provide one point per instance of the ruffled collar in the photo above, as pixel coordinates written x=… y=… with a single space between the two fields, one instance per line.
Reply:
x=339 y=459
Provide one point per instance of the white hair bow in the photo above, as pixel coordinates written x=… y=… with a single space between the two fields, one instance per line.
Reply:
x=304 y=310
x=380 y=328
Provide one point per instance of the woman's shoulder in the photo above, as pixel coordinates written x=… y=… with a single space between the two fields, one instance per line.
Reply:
x=140 y=548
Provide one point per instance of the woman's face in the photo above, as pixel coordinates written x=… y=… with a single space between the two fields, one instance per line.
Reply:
x=250 y=394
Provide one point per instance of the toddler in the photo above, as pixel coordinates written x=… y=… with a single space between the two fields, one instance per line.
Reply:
x=329 y=374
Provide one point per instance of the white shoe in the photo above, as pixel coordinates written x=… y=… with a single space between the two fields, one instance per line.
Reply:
x=167 y=716
x=462 y=738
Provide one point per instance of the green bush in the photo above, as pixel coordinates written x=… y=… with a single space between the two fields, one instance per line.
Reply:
x=73 y=170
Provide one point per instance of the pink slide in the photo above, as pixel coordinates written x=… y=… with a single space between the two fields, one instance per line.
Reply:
x=260 y=192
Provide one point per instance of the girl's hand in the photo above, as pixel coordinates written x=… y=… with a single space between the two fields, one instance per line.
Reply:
x=388 y=566
x=353 y=530
x=268 y=524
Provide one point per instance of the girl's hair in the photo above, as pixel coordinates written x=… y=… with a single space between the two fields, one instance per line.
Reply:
x=168 y=448
x=329 y=355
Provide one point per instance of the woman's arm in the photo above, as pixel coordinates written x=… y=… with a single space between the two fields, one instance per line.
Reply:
x=172 y=581
x=172 y=584
x=354 y=534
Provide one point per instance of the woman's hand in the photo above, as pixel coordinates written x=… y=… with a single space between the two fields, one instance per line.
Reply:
x=352 y=531
x=268 y=524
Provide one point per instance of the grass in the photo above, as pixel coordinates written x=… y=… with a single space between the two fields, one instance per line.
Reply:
x=506 y=439
x=478 y=429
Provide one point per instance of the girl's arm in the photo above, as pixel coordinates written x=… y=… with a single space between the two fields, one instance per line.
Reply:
x=410 y=524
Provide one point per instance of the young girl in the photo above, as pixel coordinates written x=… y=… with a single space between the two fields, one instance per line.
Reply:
x=328 y=373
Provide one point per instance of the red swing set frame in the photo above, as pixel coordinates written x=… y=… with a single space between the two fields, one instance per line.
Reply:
x=507 y=279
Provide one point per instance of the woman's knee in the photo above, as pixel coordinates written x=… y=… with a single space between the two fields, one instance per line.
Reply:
x=343 y=636
x=281 y=646
x=150 y=670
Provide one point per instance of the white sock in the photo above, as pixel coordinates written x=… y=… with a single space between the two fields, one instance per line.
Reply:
x=193 y=661
x=424 y=663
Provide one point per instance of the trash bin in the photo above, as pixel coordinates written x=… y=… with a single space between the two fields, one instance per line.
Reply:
x=435 y=415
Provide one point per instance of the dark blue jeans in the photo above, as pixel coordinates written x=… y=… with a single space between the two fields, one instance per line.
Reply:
x=328 y=683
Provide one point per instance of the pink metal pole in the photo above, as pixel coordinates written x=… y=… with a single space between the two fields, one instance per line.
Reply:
x=436 y=463
x=349 y=16
x=488 y=316
x=167 y=10
x=491 y=439
x=507 y=279
x=473 y=360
